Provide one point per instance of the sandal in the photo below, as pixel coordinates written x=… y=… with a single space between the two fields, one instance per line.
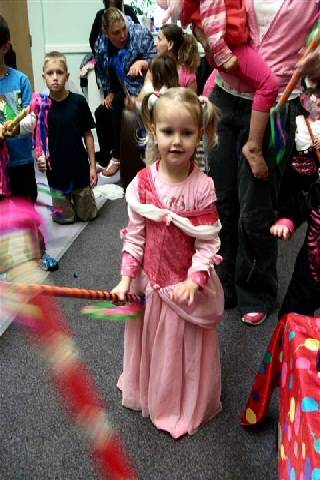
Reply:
x=111 y=169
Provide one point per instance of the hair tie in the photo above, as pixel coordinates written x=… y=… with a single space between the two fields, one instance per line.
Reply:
x=203 y=100
x=152 y=100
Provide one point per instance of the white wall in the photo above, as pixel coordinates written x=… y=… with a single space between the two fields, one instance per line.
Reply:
x=62 y=25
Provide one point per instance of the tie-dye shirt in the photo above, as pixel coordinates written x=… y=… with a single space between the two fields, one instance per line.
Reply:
x=140 y=46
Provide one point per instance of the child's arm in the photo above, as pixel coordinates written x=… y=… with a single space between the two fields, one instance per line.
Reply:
x=123 y=287
x=89 y=141
x=185 y=292
x=133 y=245
x=205 y=255
x=213 y=15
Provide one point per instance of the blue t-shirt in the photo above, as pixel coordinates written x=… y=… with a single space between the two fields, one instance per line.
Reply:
x=15 y=94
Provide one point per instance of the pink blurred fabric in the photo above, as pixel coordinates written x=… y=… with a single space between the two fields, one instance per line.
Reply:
x=18 y=214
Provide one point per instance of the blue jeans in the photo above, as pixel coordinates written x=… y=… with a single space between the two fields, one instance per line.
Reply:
x=246 y=206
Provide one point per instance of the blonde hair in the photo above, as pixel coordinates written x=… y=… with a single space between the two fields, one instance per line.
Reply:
x=110 y=16
x=206 y=115
x=188 y=55
x=55 y=55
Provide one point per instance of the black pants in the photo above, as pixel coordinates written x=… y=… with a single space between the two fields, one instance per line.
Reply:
x=246 y=207
x=23 y=183
x=303 y=295
x=108 y=125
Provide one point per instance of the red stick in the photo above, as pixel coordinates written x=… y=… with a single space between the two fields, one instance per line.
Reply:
x=55 y=291
x=78 y=390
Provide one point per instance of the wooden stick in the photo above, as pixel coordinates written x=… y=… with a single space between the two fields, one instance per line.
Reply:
x=297 y=74
x=56 y=291
x=13 y=123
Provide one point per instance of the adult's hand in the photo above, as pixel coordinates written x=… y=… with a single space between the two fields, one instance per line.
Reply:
x=310 y=65
x=138 y=68
x=108 y=100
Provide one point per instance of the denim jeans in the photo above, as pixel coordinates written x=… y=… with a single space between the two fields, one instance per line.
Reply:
x=246 y=206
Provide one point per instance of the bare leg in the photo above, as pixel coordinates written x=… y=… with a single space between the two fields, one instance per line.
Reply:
x=252 y=150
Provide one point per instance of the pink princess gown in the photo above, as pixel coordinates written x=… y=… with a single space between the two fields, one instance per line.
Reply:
x=171 y=368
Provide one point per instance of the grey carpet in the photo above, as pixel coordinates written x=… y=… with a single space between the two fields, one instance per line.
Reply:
x=36 y=438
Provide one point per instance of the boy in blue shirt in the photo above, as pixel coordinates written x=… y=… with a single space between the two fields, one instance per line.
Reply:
x=15 y=94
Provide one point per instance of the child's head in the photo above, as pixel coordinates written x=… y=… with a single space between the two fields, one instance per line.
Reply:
x=164 y=72
x=55 y=71
x=170 y=39
x=4 y=36
x=182 y=46
x=113 y=3
x=177 y=121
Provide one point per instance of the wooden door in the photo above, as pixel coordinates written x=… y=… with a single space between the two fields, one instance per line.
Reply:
x=16 y=14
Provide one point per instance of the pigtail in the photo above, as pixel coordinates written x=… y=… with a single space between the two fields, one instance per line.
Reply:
x=211 y=117
x=188 y=54
x=146 y=110
x=148 y=103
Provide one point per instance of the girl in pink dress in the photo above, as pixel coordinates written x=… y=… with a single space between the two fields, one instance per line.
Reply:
x=171 y=367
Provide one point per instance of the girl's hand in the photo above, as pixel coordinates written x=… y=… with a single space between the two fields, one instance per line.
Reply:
x=108 y=100
x=185 y=292
x=281 y=231
x=93 y=176
x=231 y=64
x=42 y=164
x=122 y=288
x=11 y=131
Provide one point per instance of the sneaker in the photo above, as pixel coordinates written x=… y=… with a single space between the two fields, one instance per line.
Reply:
x=48 y=263
x=254 y=318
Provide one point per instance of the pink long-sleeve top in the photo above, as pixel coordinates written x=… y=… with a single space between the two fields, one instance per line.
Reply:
x=281 y=42
x=225 y=24
x=196 y=193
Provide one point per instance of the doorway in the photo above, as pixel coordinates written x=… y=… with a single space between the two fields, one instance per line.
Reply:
x=16 y=14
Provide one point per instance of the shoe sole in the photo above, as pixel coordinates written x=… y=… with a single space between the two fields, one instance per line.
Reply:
x=253 y=324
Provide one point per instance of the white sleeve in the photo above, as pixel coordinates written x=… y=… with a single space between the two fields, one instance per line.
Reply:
x=28 y=124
